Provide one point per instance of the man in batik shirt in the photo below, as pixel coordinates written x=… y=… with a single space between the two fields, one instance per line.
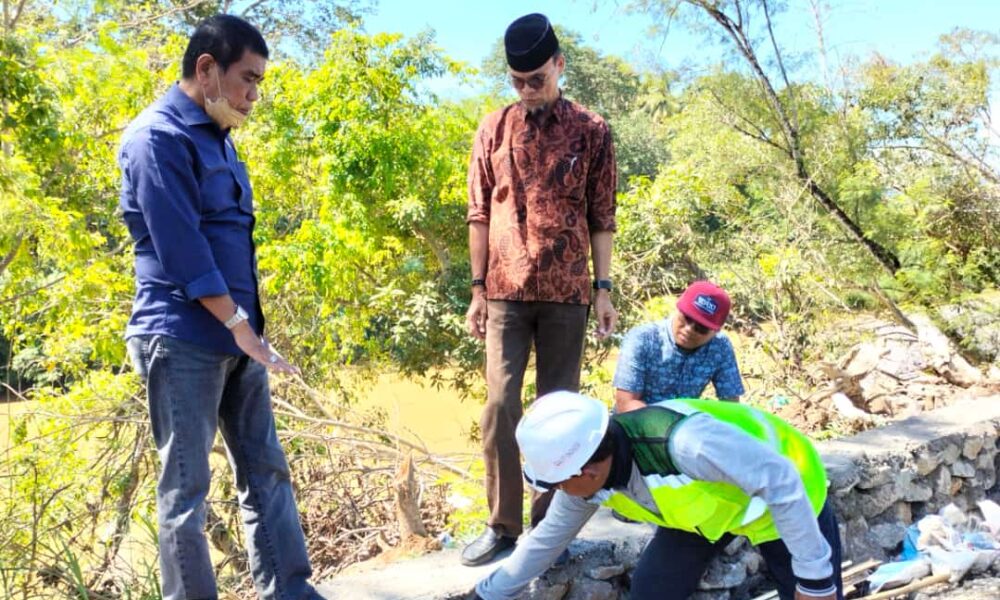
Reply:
x=541 y=205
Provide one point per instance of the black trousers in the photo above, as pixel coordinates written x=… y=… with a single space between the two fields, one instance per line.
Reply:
x=557 y=332
x=674 y=561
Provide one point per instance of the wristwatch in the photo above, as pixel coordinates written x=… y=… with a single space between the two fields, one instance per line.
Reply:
x=238 y=317
x=477 y=281
x=602 y=284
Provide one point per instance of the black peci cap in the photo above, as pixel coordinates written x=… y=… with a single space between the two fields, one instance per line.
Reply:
x=529 y=42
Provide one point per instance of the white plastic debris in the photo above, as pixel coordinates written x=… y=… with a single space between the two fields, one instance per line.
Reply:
x=936 y=533
x=991 y=516
x=950 y=542
x=843 y=405
x=953 y=516
x=895 y=574
x=955 y=563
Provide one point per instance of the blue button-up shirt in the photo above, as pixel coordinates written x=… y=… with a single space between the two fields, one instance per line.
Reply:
x=651 y=364
x=187 y=202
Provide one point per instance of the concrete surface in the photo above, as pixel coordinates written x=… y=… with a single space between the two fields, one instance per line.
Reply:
x=442 y=575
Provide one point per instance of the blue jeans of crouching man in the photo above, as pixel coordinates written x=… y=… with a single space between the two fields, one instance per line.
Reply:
x=193 y=392
x=673 y=562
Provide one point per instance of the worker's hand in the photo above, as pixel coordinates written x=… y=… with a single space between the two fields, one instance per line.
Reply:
x=260 y=350
x=605 y=314
x=475 y=317
x=801 y=596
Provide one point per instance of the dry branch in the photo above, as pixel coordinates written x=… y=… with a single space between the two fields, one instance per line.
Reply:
x=379 y=448
x=407 y=501
x=911 y=587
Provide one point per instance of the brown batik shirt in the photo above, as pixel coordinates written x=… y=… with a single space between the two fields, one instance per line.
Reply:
x=543 y=189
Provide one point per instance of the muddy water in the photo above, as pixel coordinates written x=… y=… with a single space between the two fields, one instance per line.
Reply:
x=438 y=418
x=415 y=411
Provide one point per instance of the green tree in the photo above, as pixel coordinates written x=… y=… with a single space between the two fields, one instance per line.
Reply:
x=773 y=114
x=932 y=140
x=364 y=176
x=292 y=28
x=359 y=179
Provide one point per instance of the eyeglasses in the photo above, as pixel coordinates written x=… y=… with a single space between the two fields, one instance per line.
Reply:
x=535 y=82
x=698 y=327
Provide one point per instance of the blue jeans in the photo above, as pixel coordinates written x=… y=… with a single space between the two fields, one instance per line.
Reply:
x=192 y=392
x=674 y=561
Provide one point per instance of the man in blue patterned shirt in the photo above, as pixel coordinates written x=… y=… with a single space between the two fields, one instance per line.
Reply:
x=678 y=356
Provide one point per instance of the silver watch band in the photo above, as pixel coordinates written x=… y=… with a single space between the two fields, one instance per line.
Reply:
x=238 y=317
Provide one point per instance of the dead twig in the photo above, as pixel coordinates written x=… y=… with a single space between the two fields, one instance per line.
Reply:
x=378 y=449
x=910 y=587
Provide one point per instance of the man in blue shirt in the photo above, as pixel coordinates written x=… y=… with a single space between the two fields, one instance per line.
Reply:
x=677 y=357
x=196 y=330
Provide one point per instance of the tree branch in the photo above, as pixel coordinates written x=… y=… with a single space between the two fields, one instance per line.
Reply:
x=9 y=257
x=141 y=22
x=781 y=66
x=34 y=290
x=375 y=447
x=817 y=10
x=439 y=250
x=760 y=134
x=17 y=14
x=246 y=11
x=789 y=129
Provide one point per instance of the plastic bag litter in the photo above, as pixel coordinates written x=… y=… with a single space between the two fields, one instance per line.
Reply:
x=991 y=516
x=949 y=542
x=953 y=516
x=951 y=562
x=935 y=532
x=896 y=574
x=910 y=551
x=980 y=540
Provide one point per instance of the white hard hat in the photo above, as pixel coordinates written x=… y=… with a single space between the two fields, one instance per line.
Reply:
x=557 y=436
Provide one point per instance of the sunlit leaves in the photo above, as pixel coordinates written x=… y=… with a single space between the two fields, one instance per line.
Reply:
x=359 y=176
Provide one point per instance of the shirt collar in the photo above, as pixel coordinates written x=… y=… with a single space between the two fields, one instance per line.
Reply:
x=669 y=329
x=557 y=112
x=190 y=112
x=560 y=108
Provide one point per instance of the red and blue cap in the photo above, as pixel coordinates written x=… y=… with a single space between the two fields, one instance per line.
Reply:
x=706 y=303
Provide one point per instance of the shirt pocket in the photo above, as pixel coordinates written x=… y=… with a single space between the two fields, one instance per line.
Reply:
x=219 y=189
x=243 y=187
x=569 y=175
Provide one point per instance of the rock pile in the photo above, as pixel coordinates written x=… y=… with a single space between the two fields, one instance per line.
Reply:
x=902 y=371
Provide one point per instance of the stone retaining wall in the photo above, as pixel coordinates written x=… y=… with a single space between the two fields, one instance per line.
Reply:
x=881 y=481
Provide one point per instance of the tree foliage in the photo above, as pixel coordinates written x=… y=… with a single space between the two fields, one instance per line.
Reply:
x=359 y=178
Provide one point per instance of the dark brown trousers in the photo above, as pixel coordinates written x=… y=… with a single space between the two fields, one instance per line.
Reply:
x=557 y=331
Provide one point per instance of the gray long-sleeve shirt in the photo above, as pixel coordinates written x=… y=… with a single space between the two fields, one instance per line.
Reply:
x=702 y=448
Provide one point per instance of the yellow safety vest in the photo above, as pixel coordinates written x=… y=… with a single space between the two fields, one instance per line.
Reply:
x=711 y=509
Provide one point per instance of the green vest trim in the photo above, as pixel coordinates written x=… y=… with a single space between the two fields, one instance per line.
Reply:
x=711 y=509
x=648 y=431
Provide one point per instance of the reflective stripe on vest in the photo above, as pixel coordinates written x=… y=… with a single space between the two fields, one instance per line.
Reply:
x=713 y=509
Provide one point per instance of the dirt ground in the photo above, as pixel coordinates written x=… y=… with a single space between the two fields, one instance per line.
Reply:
x=987 y=588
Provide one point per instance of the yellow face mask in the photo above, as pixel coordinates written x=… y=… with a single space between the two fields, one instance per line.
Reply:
x=220 y=111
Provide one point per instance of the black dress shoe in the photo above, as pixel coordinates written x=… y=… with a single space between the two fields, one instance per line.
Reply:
x=485 y=547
